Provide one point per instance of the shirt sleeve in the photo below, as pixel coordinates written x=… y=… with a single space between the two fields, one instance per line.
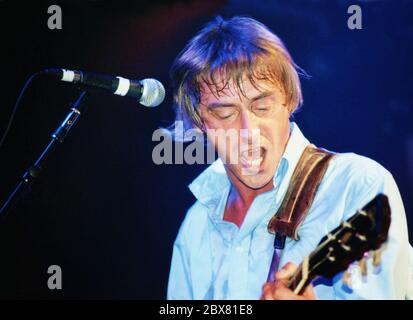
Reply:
x=179 y=285
x=190 y=273
x=394 y=278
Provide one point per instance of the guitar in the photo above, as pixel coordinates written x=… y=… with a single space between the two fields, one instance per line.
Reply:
x=365 y=231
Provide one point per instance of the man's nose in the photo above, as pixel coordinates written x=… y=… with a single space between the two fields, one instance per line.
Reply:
x=248 y=120
x=249 y=127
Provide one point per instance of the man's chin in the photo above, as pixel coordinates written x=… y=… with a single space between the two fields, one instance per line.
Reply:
x=252 y=179
x=255 y=182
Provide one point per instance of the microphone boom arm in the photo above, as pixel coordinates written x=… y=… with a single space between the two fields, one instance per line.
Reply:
x=34 y=171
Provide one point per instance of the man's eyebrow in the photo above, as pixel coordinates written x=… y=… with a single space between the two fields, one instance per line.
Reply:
x=214 y=105
x=262 y=95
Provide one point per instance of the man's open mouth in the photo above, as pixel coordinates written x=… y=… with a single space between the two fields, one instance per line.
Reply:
x=252 y=158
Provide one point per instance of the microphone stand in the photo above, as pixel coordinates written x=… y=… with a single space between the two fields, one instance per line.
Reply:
x=34 y=171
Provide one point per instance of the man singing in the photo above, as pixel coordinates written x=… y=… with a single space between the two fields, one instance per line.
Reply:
x=236 y=75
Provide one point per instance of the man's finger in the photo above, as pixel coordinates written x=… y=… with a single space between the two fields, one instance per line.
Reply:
x=286 y=271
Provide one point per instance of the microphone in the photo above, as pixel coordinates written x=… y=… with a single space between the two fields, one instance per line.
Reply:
x=149 y=92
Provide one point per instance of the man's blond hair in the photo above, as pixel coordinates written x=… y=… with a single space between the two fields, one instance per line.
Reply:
x=231 y=50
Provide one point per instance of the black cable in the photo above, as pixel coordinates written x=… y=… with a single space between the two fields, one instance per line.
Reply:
x=16 y=105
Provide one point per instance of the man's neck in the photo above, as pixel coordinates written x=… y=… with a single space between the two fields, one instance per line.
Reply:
x=240 y=199
x=244 y=195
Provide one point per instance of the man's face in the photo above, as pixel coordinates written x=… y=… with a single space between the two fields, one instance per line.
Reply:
x=261 y=123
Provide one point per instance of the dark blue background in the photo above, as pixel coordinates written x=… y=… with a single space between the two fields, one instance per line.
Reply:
x=102 y=210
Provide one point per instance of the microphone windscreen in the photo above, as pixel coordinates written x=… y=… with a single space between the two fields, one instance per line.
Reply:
x=153 y=93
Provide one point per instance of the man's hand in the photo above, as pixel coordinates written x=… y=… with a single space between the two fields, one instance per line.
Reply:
x=278 y=289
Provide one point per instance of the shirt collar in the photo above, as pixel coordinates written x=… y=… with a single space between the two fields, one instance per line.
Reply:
x=208 y=187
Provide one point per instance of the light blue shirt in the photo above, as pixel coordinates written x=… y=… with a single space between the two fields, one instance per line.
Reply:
x=214 y=259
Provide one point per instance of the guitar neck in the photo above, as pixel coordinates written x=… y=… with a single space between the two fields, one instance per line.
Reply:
x=364 y=231
x=301 y=278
